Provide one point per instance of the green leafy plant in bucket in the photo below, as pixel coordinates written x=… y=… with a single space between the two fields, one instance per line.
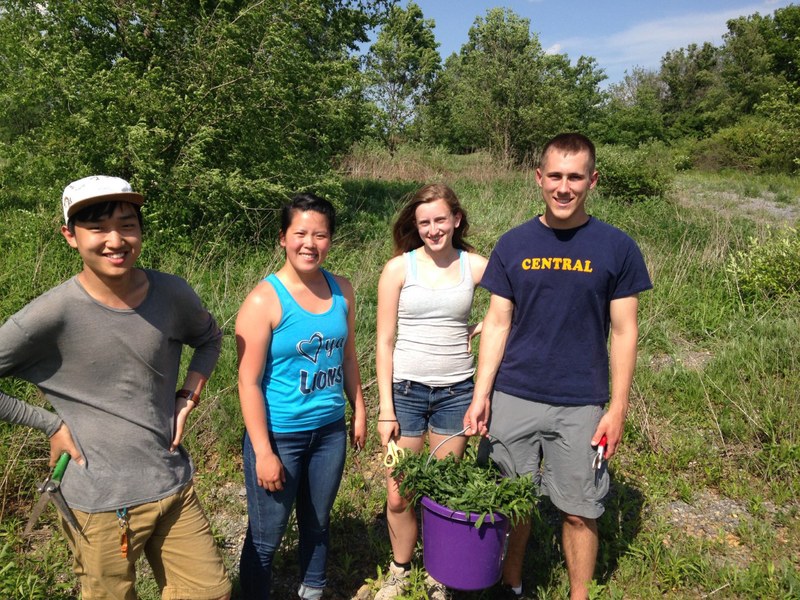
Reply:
x=466 y=485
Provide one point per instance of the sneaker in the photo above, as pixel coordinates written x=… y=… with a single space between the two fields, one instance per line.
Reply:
x=436 y=590
x=309 y=593
x=506 y=592
x=395 y=583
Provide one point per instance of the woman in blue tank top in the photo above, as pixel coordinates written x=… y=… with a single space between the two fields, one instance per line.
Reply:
x=424 y=363
x=297 y=361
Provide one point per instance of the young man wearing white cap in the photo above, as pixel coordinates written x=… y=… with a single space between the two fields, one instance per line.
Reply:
x=104 y=347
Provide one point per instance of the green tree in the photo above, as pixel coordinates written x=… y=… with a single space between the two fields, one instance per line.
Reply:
x=783 y=41
x=748 y=66
x=781 y=108
x=633 y=114
x=695 y=100
x=504 y=93
x=216 y=110
x=738 y=99
x=585 y=100
x=709 y=88
x=401 y=67
x=500 y=65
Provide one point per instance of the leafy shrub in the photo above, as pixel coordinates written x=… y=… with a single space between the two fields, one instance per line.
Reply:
x=754 y=144
x=635 y=175
x=770 y=267
x=781 y=108
x=683 y=153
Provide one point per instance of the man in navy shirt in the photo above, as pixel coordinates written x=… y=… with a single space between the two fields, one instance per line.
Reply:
x=560 y=284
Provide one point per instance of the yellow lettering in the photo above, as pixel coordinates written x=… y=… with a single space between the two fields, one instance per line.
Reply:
x=557 y=264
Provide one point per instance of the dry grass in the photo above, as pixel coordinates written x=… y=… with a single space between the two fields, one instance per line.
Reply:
x=419 y=164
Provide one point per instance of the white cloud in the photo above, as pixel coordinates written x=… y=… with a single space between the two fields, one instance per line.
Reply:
x=644 y=44
x=554 y=49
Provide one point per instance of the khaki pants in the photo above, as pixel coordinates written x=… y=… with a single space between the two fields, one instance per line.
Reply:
x=174 y=535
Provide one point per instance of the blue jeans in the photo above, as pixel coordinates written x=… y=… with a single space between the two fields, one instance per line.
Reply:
x=313 y=462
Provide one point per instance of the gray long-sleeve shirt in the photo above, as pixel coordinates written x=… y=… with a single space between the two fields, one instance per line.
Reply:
x=111 y=376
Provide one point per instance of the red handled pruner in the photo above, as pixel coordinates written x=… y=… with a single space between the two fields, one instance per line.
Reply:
x=599 y=457
x=51 y=490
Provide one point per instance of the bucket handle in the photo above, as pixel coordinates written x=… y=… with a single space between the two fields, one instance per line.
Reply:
x=490 y=437
x=443 y=442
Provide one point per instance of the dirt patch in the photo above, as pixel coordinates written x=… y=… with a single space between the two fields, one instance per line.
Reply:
x=717 y=520
x=229 y=519
x=693 y=360
x=765 y=207
x=760 y=206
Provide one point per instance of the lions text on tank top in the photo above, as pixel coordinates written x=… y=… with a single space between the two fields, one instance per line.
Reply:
x=304 y=377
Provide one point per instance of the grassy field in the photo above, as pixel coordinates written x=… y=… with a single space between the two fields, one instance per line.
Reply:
x=705 y=488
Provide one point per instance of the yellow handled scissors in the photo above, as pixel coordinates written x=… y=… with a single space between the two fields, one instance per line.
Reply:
x=393 y=454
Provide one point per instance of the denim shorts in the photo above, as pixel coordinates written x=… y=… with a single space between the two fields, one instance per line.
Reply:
x=420 y=407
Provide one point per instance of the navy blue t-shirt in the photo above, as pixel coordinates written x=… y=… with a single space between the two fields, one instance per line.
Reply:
x=561 y=282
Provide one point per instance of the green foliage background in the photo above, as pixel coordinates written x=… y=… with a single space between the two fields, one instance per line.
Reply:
x=212 y=109
x=219 y=109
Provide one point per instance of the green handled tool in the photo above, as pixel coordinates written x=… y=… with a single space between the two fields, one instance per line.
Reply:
x=51 y=490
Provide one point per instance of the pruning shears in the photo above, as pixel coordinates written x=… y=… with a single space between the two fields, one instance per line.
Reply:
x=51 y=490
x=599 y=457
x=393 y=454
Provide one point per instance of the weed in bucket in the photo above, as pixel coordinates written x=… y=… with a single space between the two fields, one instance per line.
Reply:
x=466 y=485
x=467 y=508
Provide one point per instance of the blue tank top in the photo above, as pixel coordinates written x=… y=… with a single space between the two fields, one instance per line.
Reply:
x=303 y=376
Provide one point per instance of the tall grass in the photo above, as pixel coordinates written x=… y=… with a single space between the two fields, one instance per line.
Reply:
x=714 y=407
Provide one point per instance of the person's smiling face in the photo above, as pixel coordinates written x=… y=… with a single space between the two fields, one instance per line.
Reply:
x=565 y=181
x=110 y=244
x=436 y=224
x=307 y=240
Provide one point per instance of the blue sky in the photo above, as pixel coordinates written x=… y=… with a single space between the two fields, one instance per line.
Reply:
x=620 y=34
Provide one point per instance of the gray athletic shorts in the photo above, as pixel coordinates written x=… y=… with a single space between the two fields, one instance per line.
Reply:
x=552 y=442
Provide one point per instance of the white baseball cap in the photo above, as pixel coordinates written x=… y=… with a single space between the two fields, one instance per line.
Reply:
x=96 y=188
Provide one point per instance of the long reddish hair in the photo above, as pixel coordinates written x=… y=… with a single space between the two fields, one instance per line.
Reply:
x=405 y=234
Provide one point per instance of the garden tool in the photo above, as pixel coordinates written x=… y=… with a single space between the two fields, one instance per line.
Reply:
x=51 y=490
x=393 y=454
x=597 y=461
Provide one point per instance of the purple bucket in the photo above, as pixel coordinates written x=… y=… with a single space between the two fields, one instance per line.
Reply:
x=456 y=553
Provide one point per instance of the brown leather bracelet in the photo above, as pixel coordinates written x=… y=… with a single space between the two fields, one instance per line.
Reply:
x=189 y=395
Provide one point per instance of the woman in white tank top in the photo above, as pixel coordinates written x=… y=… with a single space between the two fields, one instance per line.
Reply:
x=424 y=363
